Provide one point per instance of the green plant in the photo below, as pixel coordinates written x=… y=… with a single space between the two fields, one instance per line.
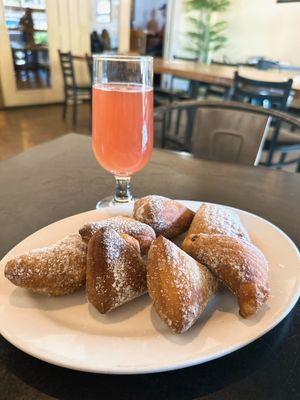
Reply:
x=206 y=36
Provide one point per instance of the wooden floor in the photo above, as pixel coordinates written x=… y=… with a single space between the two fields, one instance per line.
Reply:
x=23 y=128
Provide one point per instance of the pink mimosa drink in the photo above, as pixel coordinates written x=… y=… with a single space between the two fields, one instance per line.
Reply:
x=122 y=127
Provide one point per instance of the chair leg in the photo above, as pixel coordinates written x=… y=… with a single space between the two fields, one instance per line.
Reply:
x=177 y=129
x=281 y=160
x=163 y=132
x=206 y=92
x=91 y=109
x=74 y=114
x=273 y=142
x=64 y=113
x=169 y=116
x=269 y=157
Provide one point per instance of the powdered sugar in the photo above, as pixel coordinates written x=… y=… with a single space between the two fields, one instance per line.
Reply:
x=150 y=210
x=180 y=287
x=140 y=231
x=236 y=262
x=211 y=219
x=121 y=225
x=123 y=272
x=167 y=217
x=55 y=269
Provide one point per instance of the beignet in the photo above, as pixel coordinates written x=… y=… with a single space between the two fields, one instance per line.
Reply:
x=55 y=270
x=211 y=219
x=179 y=286
x=141 y=232
x=167 y=217
x=116 y=272
x=237 y=263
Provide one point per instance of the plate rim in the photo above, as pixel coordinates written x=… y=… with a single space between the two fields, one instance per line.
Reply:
x=134 y=370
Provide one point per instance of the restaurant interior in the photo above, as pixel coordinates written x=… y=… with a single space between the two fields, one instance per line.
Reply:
x=188 y=65
x=196 y=101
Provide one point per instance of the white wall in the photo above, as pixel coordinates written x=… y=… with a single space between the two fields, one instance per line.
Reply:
x=142 y=11
x=74 y=29
x=255 y=27
x=263 y=27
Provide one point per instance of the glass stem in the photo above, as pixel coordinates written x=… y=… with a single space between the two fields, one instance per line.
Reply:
x=122 y=190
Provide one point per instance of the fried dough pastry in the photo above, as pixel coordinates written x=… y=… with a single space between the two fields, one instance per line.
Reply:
x=141 y=232
x=55 y=270
x=179 y=286
x=237 y=263
x=116 y=272
x=167 y=217
x=211 y=218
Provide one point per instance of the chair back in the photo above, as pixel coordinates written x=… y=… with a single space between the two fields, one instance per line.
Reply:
x=89 y=61
x=67 y=67
x=218 y=130
x=229 y=135
x=261 y=93
x=138 y=41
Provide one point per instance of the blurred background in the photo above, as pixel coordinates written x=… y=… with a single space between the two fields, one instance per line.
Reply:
x=46 y=48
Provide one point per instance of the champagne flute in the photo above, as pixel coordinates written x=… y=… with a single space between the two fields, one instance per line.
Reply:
x=122 y=119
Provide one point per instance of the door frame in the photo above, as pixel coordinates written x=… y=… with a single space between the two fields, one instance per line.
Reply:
x=13 y=96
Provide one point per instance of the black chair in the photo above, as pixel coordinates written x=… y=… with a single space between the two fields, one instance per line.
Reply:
x=261 y=93
x=89 y=61
x=224 y=131
x=270 y=95
x=72 y=91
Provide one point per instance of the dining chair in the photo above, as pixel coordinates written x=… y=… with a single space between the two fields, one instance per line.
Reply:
x=224 y=131
x=270 y=95
x=89 y=62
x=72 y=91
x=261 y=93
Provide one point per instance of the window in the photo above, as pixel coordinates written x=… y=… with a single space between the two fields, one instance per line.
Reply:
x=104 y=11
x=26 y=22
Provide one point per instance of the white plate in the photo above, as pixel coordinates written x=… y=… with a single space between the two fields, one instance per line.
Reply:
x=67 y=331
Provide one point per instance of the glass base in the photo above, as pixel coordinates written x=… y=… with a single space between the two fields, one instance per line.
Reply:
x=111 y=202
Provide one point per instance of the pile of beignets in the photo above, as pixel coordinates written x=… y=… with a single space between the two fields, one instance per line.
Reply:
x=121 y=258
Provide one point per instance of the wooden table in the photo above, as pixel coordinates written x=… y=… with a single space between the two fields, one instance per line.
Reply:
x=61 y=178
x=216 y=74
x=221 y=74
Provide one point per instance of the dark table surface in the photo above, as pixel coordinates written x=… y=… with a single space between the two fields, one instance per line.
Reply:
x=61 y=178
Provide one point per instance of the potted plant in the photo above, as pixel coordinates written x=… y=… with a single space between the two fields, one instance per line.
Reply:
x=206 y=36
